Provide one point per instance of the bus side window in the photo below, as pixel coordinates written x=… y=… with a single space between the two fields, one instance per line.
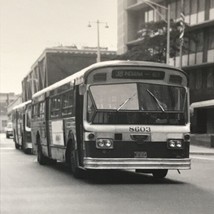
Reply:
x=41 y=109
x=35 y=111
x=67 y=104
x=28 y=117
x=55 y=106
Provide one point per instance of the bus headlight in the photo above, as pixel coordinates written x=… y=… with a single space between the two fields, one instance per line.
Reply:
x=175 y=144
x=104 y=143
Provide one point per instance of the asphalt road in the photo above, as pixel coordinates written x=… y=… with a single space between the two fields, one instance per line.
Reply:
x=26 y=187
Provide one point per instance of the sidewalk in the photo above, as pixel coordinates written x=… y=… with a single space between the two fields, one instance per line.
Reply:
x=200 y=150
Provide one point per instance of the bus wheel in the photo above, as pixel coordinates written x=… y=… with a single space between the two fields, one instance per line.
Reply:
x=16 y=145
x=23 y=144
x=160 y=173
x=28 y=151
x=40 y=157
x=72 y=162
x=76 y=171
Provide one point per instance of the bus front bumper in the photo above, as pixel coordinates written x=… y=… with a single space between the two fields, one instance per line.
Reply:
x=137 y=163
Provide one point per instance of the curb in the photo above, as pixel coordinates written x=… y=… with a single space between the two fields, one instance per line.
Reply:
x=201 y=153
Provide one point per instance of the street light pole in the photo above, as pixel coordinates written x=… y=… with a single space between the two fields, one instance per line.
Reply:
x=98 y=37
x=168 y=35
x=98 y=42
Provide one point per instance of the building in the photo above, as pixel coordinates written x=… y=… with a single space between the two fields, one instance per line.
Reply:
x=198 y=61
x=5 y=100
x=57 y=63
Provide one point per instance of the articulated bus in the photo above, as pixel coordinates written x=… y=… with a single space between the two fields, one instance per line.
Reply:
x=21 y=118
x=127 y=115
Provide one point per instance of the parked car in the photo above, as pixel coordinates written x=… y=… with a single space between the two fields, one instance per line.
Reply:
x=9 y=130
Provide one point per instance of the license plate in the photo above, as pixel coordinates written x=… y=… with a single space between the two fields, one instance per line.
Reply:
x=140 y=154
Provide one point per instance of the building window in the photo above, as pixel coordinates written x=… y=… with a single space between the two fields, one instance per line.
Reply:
x=210 y=53
x=198 y=79
x=201 y=11
x=192 y=46
x=187 y=7
x=192 y=80
x=194 y=11
x=172 y=10
x=199 y=47
x=210 y=78
x=211 y=38
x=199 y=42
x=211 y=9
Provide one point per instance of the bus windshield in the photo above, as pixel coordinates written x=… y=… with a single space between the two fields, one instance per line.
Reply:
x=132 y=103
x=140 y=96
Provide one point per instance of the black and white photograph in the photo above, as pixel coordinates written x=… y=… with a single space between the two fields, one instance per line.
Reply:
x=107 y=106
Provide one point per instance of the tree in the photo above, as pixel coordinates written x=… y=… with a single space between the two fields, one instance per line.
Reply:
x=153 y=41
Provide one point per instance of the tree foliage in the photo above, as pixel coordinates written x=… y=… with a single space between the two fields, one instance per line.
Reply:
x=152 y=42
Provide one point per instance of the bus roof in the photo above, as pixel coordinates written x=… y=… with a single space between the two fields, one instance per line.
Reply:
x=78 y=77
x=21 y=105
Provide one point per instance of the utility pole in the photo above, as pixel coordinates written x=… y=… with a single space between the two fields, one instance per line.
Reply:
x=98 y=36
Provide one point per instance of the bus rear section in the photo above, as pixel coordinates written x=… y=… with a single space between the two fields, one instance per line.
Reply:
x=136 y=117
x=22 y=126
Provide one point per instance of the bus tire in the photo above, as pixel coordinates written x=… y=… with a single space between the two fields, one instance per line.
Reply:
x=160 y=173
x=72 y=161
x=42 y=160
x=16 y=145
x=23 y=144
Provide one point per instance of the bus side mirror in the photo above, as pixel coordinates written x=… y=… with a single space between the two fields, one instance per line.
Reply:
x=82 y=89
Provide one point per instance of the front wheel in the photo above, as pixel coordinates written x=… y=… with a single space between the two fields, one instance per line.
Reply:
x=40 y=157
x=73 y=162
x=160 y=173
x=76 y=171
x=16 y=145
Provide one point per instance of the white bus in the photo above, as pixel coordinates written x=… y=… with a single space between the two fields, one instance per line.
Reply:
x=115 y=115
x=21 y=118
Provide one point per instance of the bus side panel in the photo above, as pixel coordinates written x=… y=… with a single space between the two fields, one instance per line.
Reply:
x=56 y=140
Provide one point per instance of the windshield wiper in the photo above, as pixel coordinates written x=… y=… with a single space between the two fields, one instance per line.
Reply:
x=156 y=99
x=126 y=101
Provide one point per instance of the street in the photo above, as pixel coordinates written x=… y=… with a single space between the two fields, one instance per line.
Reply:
x=27 y=187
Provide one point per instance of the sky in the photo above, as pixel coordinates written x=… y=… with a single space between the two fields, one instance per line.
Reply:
x=27 y=27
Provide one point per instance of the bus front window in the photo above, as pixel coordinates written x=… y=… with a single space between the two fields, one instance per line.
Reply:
x=155 y=97
x=137 y=103
x=116 y=97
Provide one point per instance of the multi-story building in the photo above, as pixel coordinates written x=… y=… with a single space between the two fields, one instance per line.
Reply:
x=198 y=61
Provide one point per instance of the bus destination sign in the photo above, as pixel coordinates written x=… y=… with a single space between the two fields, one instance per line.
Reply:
x=138 y=74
